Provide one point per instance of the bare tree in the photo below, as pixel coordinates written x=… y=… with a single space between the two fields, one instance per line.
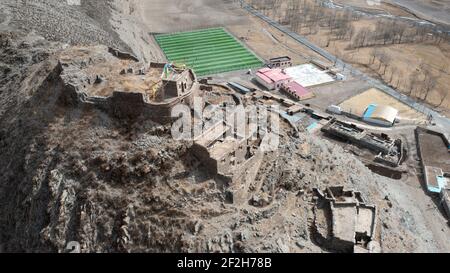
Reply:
x=429 y=83
x=400 y=75
x=413 y=80
x=373 y=55
x=385 y=59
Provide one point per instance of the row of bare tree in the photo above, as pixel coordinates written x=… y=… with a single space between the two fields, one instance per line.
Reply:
x=310 y=16
x=420 y=83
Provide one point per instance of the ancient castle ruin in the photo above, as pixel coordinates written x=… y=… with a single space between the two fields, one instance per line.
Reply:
x=120 y=85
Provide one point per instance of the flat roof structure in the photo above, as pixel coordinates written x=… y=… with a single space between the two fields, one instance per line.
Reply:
x=369 y=111
x=281 y=59
x=207 y=51
x=298 y=91
x=272 y=75
x=384 y=113
x=434 y=148
x=435 y=159
x=309 y=75
x=435 y=180
x=445 y=200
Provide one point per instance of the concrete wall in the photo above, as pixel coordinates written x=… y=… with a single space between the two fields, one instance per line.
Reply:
x=202 y=153
x=122 y=55
x=351 y=220
x=445 y=201
x=123 y=104
x=418 y=130
x=173 y=89
x=444 y=137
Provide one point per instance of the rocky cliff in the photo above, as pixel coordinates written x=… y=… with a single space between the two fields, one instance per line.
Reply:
x=74 y=173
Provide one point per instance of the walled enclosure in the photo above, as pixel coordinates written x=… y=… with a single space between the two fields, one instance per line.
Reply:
x=433 y=149
x=350 y=221
x=119 y=85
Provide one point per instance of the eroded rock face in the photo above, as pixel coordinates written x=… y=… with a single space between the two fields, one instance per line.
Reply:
x=113 y=23
x=72 y=173
x=58 y=21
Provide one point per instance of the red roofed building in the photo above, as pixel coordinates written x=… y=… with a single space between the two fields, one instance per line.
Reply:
x=272 y=78
x=297 y=91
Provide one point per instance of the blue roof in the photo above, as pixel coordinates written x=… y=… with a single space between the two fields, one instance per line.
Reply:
x=442 y=181
x=370 y=109
x=442 y=184
x=294 y=119
x=243 y=89
x=312 y=126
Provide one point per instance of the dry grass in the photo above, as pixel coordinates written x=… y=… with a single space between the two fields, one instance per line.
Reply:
x=405 y=59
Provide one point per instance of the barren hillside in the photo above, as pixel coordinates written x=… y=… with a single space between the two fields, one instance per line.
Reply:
x=71 y=172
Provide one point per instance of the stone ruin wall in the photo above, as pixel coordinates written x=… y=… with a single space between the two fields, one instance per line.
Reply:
x=125 y=104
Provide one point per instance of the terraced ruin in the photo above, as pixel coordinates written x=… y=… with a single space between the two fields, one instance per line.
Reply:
x=215 y=126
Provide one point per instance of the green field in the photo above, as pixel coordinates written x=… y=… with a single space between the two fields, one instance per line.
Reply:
x=208 y=51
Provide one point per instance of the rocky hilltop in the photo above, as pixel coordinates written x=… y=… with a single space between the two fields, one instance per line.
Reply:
x=73 y=172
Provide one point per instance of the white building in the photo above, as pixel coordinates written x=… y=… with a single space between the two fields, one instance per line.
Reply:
x=381 y=115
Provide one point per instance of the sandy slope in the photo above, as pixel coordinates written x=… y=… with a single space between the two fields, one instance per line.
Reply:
x=436 y=11
x=178 y=15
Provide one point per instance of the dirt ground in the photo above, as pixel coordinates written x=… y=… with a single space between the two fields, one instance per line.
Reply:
x=267 y=42
x=337 y=92
x=434 y=151
x=138 y=184
x=405 y=59
x=360 y=102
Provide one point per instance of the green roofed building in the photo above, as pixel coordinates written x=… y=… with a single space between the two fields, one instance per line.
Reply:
x=208 y=51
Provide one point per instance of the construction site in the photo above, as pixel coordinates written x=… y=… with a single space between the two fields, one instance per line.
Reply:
x=359 y=166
